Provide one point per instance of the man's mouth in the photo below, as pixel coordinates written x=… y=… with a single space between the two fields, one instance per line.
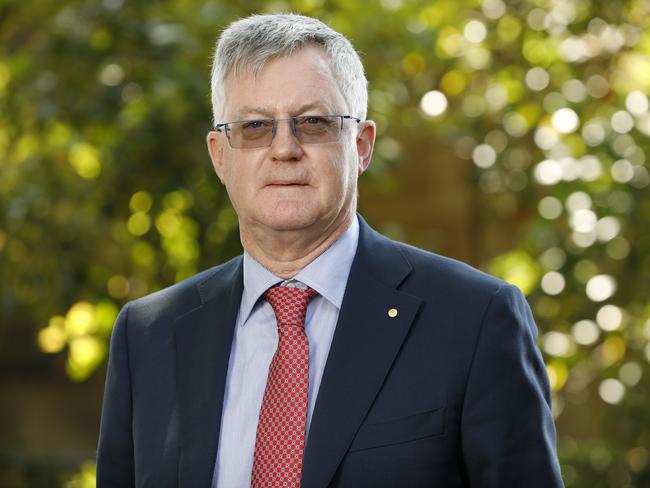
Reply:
x=287 y=183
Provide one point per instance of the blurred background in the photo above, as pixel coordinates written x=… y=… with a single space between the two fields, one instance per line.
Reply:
x=512 y=135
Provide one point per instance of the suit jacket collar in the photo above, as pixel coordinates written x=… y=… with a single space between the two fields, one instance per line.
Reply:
x=365 y=344
x=203 y=338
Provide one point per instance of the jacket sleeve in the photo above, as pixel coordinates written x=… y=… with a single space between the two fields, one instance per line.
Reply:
x=115 y=465
x=507 y=430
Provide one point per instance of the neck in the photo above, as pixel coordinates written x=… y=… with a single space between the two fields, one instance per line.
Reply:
x=285 y=253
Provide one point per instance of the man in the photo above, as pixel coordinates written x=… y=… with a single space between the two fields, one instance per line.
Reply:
x=326 y=355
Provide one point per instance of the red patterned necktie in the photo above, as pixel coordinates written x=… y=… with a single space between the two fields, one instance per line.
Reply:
x=280 y=439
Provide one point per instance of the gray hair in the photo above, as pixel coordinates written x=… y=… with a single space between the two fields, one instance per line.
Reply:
x=247 y=44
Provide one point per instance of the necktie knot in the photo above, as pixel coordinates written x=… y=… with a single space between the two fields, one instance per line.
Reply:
x=289 y=304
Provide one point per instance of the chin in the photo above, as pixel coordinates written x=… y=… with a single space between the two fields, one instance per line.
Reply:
x=293 y=218
x=290 y=223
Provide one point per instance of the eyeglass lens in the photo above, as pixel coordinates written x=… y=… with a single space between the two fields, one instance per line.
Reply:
x=307 y=129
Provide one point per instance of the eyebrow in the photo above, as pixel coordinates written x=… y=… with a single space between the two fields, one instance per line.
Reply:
x=248 y=109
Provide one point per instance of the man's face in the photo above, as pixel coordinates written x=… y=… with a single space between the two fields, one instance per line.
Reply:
x=288 y=185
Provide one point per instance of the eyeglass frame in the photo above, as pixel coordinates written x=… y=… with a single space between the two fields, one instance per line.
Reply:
x=292 y=125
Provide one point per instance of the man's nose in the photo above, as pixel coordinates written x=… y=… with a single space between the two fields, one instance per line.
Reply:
x=285 y=145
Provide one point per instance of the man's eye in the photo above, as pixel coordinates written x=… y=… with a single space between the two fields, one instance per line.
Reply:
x=254 y=124
x=314 y=120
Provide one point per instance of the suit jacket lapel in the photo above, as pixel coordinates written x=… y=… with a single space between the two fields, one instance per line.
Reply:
x=203 y=339
x=365 y=345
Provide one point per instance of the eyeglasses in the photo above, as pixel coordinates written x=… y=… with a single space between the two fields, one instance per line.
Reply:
x=308 y=129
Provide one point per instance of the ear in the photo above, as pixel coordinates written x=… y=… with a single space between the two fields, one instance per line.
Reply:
x=215 y=148
x=365 y=143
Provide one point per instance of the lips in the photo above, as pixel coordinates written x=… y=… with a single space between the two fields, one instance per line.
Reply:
x=286 y=183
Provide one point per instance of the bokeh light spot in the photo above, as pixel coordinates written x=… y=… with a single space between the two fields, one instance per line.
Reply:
x=484 y=156
x=111 y=75
x=546 y=138
x=475 y=31
x=585 y=332
x=597 y=86
x=80 y=319
x=493 y=9
x=574 y=90
x=557 y=344
x=473 y=106
x=622 y=171
x=578 y=200
x=477 y=57
x=612 y=351
x=550 y=208
x=179 y=200
x=558 y=374
x=515 y=124
x=433 y=103
x=509 y=28
x=636 y=102
x=583 y=220
x=601 y=287
x=622 y=122
x=553 y=258
x=538 y=19
x=139 y=224
x=611 y=391
x=140 y=201
x=168 y=222
x=85 y=354
x=84 y=158
x=52 y=339
x=118 y=286
x=609 y=317
x=583 y=239
x=607 y=228
x=537 y=78
x=453 y=82
x=637 y=458
x=548 y=172
x=517 y=268
x=553 y=283
x=594 y=132
x=565 y=120
x=592 y=168
x=630 y=373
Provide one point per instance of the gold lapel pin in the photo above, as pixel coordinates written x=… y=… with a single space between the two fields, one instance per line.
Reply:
x=392 y=313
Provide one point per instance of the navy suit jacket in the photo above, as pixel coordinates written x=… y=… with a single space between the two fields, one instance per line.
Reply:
x=450 y=392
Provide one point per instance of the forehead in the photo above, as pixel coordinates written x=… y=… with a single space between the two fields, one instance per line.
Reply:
x=284 y=87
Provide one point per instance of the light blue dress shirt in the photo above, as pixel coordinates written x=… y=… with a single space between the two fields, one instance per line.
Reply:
x=255 y=341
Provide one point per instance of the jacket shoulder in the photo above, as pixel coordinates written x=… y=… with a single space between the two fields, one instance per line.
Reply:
x=456 y=276
x=181 y=297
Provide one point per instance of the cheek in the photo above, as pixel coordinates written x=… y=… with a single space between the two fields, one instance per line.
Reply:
x=232 y=181
x=351 y=159
x=238 y=177
x=347 y=155
x=348 y=168
x=341 y=179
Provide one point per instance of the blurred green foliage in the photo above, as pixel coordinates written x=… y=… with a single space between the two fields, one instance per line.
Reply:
x=106 y=191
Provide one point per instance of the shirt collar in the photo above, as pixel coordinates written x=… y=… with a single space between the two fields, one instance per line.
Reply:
x=327 y=274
